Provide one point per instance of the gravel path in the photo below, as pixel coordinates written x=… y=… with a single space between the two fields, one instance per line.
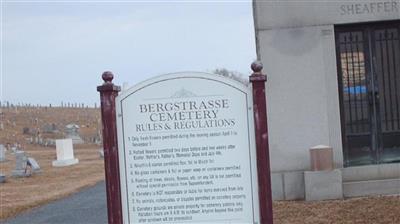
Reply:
x=85 y=207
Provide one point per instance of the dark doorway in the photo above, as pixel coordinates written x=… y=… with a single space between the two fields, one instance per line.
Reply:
x=368 y=58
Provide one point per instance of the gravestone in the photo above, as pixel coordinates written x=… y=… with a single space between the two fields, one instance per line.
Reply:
x=20 y=165
x=51 y=142
x=34 y=165
x=14 y=149
x=49 y=128
x=40 y=141
x=54 y=127
x=2 y=153
x=2 y=178
x=72 y=132
x=97 y=138
x=65 y=153
x=26 y=131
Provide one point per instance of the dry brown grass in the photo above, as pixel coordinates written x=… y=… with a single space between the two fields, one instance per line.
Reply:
x=19 y=194
x=371 y=210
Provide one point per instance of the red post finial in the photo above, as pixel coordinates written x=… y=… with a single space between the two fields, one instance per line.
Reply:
x=257 y=75
x=107 y=76
x=256 y=66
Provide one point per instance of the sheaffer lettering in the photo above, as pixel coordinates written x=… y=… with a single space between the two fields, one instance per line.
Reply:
x=369 y=8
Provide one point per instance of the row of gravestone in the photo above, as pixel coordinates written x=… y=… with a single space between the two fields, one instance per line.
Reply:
x=47 y=142
x=42 y=141
x=28 y=105
x=47 y=129
x=71 y=131
x=7 y=104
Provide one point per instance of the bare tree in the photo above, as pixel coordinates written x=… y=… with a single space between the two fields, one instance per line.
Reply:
x=231 y=74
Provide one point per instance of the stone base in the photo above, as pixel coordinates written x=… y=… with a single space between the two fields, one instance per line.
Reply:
x=287 y=185
x=67 y=162
x=293 y=185
x=371 y=187
x=371 y=172
x=382 y=179
x=277 y=186
x=323 y=185
x=20 y=173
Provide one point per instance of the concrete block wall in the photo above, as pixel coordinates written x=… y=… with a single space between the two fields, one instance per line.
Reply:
x=288 y=185
x=382 y=179
x=323 y=185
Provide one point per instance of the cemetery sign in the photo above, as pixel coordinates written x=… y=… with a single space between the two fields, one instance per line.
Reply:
x=187 y=148
x=187 y=151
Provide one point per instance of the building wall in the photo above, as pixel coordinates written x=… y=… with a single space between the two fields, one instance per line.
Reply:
x=295 y=42
x=302 y=94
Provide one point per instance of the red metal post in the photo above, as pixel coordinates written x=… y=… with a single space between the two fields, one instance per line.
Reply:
x=258 y=80
x=108 y=93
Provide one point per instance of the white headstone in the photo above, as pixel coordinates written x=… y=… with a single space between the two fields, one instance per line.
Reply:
x=2 y=153
x=14 y=149
x=65 y=153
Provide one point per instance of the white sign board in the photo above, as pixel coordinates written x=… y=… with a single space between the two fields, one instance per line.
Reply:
x=187 y=151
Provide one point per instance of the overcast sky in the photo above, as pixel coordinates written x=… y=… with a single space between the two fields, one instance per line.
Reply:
x=56 y=51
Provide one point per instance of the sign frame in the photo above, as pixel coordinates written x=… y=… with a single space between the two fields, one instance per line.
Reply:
x=246 y=90
x=108 y=93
